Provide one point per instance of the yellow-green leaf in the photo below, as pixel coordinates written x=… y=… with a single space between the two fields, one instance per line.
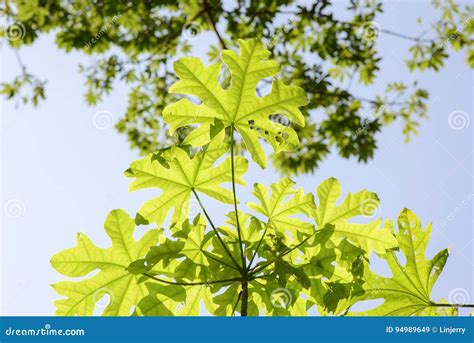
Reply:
x=238 y=106
x=112 y=279
x=408 y=291
x=369 y=236
x=183 y=175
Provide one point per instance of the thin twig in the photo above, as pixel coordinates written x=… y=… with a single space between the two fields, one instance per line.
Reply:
x=207 y=11
x=403 y=36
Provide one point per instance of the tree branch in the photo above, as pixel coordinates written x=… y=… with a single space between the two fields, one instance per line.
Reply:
x=207 y=12
x=404 y=36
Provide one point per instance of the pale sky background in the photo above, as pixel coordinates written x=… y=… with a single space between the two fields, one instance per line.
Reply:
x=66 y=174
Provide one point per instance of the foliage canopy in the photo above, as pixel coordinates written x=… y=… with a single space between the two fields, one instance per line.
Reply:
x=135 y=42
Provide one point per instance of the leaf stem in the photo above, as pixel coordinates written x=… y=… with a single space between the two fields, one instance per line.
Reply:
x=216 y=232
x=453 y=305
x=179 y=283
x=258 y=246
x=245 y=278
x=234 y=193
x=236 y=303
x=257 y=270
x=209 y=255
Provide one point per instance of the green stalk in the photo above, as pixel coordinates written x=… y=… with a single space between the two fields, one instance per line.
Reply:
x=245 y=294
x=216 y=232
x=453 y=305
x=179 y=283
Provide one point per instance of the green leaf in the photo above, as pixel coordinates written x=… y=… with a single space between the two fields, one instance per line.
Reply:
x=408 y=291
x=112 y=279
x=162 y=300
x=195 y=245
x=181 y=176
x=238 y=106
x=282 y=207
x=369 y=236
x=226 y=301
x=251 y=228
x=194 y=296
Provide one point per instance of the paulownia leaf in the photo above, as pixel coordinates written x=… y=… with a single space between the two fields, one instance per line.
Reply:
x=407 y=292
x=113 y=278
x=275 y=300
x=170 y=300
x=183 y=175
x=251 y=228
x=283 y=205
x=333 y=269
x=189 y=241
x=162 y=300
x=226 y=301
x=238 y=106
x=369 y=236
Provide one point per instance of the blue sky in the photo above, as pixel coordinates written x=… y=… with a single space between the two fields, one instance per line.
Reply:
x=66 y=174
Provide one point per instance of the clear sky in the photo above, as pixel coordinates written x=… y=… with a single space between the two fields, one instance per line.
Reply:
x=65 y=174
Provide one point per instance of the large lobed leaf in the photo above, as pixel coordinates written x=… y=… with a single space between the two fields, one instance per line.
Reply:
x=369 y=236
x=112 y=279
x=282 y=207
x=238 y=106
x=178 y=175
x=408 y=291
